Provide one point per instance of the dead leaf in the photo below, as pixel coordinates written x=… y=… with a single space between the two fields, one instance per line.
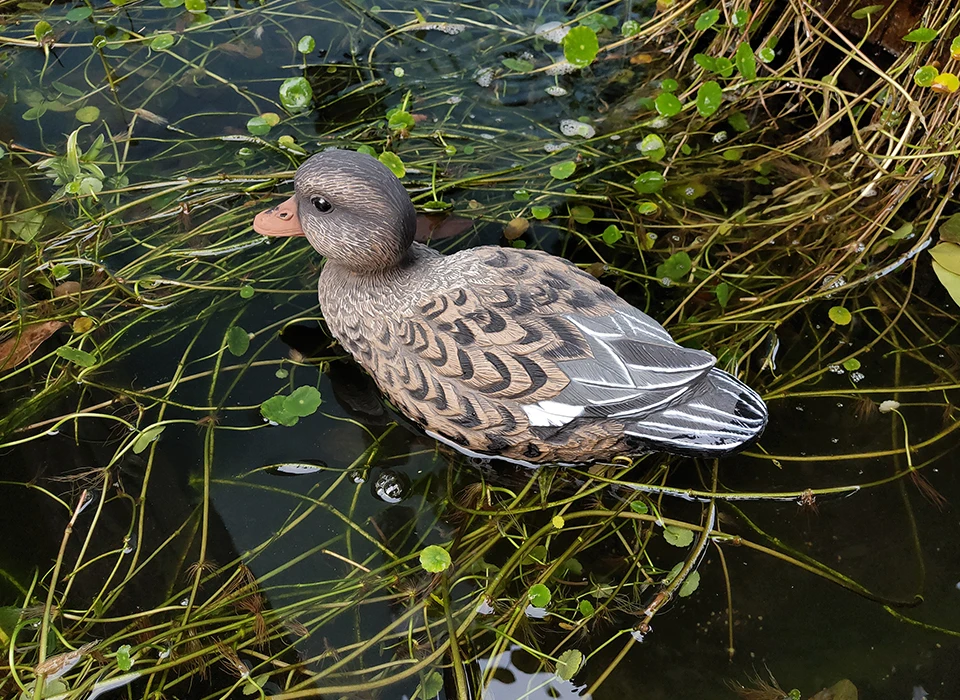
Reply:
x=17 y=349
x=82 y=324
x=242 y=49
x=151 y=117
x=56 y=666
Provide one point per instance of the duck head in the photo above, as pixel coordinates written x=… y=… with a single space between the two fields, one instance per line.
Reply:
x=351 y=208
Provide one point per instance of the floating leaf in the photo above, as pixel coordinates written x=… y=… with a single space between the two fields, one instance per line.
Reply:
x=586 y=608
x=393 y=162
x=851 y=364
x=139 y=445
x=921 y=35
x=582 y=214
x=400 y=120
x=864 y=12
x=521 y=196
x=839 y=315
x=540 y=212
x=647 y=208
x=652 y=147
x=539 y=595
x=766 y=54
x=88 y=114
x=561 y=171
x=738 y=122
x=677 y=536
x=649 y=182
x=26 y=224
x=630 y=28
x=709 y=98
x=689 y=585
x=79 y=13
x=557 y=521
x=518 y=65
x=434 y=559
x=580 y=46
x=246 y=291
x=740 y=18
x=639 y=507
x=706 y=62
x=568 y=663
x=732 y=154
x=306 y=44
x=258 y=126
x=676 y=267
x=611 y=234
x=273 y=410
x=195 y=6
x=667 y=104
x=303 y=402
x=238 y=341
x=162 y=42
x=296 y=94
x=723 y=292
x=955 y=49
x=78 y=357
x=707 y=20
x=925 y=75
x=745 y=61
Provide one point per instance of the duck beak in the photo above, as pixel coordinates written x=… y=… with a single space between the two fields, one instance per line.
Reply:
x=280 y=221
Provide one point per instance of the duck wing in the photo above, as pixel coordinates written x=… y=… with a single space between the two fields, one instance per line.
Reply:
x=541 y=348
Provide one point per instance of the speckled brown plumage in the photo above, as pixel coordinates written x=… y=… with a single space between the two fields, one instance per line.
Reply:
x=501 y=351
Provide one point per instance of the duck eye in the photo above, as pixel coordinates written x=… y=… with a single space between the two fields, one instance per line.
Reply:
x=321 y=205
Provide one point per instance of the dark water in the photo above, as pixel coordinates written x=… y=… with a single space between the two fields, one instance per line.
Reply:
x=381 y=485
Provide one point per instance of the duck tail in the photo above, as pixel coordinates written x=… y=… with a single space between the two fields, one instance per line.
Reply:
x=722 y=416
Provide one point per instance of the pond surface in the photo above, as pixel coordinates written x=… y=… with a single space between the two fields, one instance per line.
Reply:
x=215 y=555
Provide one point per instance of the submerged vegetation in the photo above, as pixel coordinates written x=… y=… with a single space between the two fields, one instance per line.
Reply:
x=765 y=178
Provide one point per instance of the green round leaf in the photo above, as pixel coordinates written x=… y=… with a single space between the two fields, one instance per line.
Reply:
x=851 y=364
x=306 y=44
x=723 y=292
x=766 y=54
x=521 y=195
x=586 y=608
x=668 y=104
x=258 y=126
x=652 y=147
x=296 y=94
x=195 y=6
x=925 y=75
x=518 y=65
x=561 y=171
x=709 y=98
x=676 y=267
x=639 y=507
x=707 y=20
x=732 y=154
x=162 y=42
x=611 y=234
x=678 y=536
x=274 y=411
x=580 y=46
x=647 y=208
x=539 y=595
x=238 y=341
x=740 y=18
x=540 y=212
x=431 y=686
x=42 y=30
x=649 y=182
x=303 y=402
x=582 y=214
x=76 y=356
x=392 y=161
x=839 y=315
x=568 y=663
x=88 y=114
x=246 y=291
x=434 y=559
x=630 y=28
x=863 y=12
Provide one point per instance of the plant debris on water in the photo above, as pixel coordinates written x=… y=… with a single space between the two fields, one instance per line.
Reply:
x=206 y=499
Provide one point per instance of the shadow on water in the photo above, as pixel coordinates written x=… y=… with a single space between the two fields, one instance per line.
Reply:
x=217 y=555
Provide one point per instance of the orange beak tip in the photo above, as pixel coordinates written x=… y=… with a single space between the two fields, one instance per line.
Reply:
x=279 y=222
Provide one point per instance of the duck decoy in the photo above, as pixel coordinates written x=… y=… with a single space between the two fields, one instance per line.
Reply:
x=501 y=352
